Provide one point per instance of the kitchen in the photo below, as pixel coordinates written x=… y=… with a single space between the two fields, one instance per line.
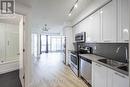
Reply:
x=97 y=48
x=66 y=43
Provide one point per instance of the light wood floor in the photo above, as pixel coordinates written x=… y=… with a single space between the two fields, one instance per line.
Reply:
x=49 y=71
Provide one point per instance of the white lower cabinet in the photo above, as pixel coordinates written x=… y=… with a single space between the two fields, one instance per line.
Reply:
x=99 y=75
x=116 y=79
x=106 y=77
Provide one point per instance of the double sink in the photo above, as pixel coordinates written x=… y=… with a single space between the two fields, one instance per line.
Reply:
x=113 y=63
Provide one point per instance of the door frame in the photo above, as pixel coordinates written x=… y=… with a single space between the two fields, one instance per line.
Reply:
x=21 y=50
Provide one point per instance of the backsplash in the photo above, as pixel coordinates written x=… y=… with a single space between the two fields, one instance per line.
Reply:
x=109 y=50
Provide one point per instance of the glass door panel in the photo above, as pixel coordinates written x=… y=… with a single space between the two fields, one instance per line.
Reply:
x=34 y=44
x=59 y=44
x=43 y=43
x=53 y=44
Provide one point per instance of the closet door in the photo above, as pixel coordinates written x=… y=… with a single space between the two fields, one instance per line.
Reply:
x=2 y=42
x=12 y=43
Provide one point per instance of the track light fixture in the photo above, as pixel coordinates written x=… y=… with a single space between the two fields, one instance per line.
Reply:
x=74 y=6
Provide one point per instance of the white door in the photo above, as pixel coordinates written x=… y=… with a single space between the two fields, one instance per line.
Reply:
x=21 y=41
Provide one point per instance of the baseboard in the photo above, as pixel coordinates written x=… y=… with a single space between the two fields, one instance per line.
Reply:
x=8 y=67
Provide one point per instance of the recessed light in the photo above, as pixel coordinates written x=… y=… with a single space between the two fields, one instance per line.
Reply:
x=125 y=30
x=69 y=14
x=101 y=12
x=76 y=5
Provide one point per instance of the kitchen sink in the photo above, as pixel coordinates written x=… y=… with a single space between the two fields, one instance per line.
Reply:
x=125 y=68
x=111 y=62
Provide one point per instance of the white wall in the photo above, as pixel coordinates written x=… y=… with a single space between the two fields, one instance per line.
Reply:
x=26 y=12
x=129 y=41
x=69 y=39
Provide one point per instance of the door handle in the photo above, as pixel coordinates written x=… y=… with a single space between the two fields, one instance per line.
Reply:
x=18 y=53
x=126 y=40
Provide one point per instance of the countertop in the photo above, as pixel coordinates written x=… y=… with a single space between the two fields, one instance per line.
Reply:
x=95 y=58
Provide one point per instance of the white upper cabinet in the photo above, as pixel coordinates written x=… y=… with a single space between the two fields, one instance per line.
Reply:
x=108 y=25
x=123 y=21
x=109 y=22
x=94 y=33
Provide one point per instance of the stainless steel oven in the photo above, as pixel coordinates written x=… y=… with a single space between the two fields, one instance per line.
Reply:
x=74 y=60
x=74 y=63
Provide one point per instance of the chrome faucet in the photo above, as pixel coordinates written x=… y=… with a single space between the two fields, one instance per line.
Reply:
x=126 y=52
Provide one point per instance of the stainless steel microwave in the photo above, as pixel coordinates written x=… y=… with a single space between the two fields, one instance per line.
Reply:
x=80 y=37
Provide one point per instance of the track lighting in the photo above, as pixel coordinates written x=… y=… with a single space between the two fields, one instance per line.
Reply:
x=74 y=6
x=69 y=14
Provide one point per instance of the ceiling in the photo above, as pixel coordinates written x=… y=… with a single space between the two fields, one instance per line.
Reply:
x=26 y=3
x=53 y=12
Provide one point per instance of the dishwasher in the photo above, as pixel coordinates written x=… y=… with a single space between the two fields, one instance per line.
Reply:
x=86 y=69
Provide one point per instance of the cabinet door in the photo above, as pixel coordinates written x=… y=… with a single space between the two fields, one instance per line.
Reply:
x=94 y=28
x=99 y=75
x=123 y=23
x=119 y=80
x=12 y=43
x=109 y=22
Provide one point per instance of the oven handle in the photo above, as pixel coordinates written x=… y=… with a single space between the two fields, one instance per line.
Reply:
x=73 y=55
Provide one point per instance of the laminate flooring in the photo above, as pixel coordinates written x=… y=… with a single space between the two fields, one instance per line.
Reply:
x=49 y=71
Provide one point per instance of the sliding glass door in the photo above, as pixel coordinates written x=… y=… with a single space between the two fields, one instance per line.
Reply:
x=43 y=43
x=52 y=43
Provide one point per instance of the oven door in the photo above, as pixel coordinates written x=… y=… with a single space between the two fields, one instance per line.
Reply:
x=74 y=60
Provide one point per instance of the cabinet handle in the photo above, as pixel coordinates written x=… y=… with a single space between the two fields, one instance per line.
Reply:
x=120 y=75
x=106 y=41
x=126 y=40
